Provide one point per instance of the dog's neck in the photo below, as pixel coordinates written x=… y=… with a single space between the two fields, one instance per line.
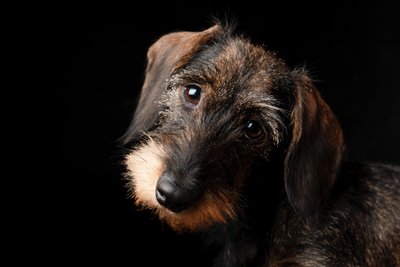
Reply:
x=244 y=241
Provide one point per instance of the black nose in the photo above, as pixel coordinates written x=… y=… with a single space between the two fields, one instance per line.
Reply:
x=172 y=196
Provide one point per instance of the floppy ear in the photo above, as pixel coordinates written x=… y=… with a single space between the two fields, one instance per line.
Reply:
x=168 y=53
x=315 y=152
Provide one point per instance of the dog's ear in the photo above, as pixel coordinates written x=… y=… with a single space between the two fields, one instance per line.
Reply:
x=315 y=151
x=167 y=54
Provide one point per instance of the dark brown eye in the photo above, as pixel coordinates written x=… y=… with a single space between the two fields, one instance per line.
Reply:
x=192 y=94
x=253 y=130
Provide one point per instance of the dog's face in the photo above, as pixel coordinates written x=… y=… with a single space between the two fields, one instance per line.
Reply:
x=212 y=105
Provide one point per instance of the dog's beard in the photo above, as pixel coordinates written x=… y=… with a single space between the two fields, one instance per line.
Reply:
x=146 y=164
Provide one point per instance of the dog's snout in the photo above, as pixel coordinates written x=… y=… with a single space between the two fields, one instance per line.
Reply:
x=172 y=196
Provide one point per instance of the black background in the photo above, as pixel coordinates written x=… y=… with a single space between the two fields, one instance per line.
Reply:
x=95 y=60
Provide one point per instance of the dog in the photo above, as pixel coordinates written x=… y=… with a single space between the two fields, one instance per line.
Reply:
x=231 y=143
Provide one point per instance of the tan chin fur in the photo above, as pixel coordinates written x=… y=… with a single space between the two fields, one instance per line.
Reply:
x=211 y=209
x=146 y=164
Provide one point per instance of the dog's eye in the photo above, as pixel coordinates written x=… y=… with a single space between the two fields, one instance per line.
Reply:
x=192 y=94
x=253 y=130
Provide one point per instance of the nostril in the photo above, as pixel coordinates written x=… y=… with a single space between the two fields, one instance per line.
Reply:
x=165 y=190
x=160 y=197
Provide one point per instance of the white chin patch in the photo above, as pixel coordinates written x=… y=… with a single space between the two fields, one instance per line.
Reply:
x=145 y=165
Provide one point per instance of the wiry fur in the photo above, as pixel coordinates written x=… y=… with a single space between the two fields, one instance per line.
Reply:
x=286 y=199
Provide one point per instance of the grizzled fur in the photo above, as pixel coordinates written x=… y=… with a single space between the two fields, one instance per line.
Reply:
x=283 y=198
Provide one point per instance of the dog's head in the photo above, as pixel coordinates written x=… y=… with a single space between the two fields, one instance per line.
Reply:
x=213 y=104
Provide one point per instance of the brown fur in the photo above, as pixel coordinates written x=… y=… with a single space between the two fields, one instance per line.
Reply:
x=213 y=209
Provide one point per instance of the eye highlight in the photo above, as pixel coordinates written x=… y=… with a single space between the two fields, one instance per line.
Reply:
x=192 y=94
x=253 y=130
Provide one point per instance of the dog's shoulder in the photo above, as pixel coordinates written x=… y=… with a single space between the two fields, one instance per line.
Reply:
x=384 y=177
x=360 y=225
x=369 y=185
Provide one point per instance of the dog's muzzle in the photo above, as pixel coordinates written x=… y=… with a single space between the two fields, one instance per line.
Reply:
x=172 y=196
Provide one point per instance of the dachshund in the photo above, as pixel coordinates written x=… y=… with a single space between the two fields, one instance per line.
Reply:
x=229 y=142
